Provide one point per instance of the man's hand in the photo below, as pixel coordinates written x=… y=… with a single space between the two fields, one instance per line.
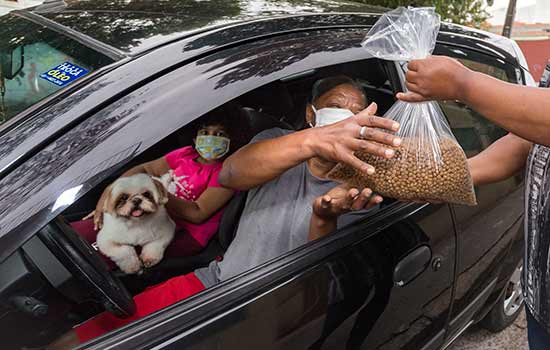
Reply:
x=337 y=142
x=340 y=200
x=343 y=199
x=435 y=78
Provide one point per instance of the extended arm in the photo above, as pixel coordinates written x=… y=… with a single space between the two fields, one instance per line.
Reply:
x=521 y=110
x=502 y=159
x=209 y=202
x=262 y=161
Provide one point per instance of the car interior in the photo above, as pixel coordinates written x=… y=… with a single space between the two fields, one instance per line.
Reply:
x=278 y=104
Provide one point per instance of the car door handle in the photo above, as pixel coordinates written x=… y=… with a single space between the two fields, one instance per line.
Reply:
x=412 y=265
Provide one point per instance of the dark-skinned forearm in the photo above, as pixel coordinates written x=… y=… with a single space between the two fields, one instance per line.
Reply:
x=519 y=109
x=182 y=209
x=503 y=159
x=260 y=162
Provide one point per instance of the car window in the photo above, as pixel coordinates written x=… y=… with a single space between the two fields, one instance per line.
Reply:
x=256 y=115
x=473 y=132
x=37 y=62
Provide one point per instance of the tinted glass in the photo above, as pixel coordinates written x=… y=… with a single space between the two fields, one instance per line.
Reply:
x=37 y=62
x=475 y=133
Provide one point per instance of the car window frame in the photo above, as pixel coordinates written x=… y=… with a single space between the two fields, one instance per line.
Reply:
x=513 y=74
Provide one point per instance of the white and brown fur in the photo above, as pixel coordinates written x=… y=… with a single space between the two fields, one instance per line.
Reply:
x=122 y=232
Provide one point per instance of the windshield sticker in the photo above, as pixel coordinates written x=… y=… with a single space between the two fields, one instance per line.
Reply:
x=64 y=74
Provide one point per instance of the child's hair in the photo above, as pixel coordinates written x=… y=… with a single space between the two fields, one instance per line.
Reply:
x=231 y=119
x=214 y=119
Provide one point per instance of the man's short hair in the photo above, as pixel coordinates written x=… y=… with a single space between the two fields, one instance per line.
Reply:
x=324 y=85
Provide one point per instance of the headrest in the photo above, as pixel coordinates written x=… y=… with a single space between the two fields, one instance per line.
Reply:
x=273 y=99
x=259 y=121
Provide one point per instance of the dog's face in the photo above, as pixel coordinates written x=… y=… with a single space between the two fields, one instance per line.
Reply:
x=135 y=196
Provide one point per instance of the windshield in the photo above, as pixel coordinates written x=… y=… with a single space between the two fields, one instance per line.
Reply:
x=36 y=62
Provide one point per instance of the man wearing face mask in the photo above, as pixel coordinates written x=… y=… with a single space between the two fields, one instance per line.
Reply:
x=289 y=200
x=285 y=172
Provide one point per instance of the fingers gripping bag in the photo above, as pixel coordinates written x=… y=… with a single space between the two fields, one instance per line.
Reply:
x=429 y=165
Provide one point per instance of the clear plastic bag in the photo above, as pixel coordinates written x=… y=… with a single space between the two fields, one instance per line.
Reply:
x=430 y=164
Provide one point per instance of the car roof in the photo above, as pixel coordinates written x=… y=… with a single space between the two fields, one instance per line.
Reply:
x=137 y=26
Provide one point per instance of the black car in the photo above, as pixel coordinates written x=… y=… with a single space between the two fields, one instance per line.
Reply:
x=90 y=88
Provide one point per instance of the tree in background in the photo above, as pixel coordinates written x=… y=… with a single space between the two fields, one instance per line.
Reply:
x=467 y=12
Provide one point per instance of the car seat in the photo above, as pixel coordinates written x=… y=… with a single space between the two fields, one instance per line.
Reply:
x=174 y=266
x=274 y=100
x=259 y=121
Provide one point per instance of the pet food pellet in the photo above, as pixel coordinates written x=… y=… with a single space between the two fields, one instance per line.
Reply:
x=414 y=174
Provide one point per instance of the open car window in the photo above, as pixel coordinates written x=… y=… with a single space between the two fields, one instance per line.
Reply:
x=279 y=105
x=473 y=132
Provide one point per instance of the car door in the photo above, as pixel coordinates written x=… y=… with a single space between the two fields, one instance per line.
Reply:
x=383 y=281
x=486 y=231
x=336 y=293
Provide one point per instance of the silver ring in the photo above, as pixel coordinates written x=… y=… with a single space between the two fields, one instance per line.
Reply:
x=362 y=132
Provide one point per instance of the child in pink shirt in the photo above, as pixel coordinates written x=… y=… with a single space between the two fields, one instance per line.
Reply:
x=196 y=199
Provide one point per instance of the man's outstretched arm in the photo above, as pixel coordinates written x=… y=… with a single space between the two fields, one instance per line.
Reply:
x=260 y=162
x=522 y=110
x=504 y=158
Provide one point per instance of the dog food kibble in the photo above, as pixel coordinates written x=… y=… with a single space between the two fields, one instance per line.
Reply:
x=412 y=174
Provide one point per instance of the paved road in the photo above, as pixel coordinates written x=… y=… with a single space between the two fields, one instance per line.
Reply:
x=512 y=338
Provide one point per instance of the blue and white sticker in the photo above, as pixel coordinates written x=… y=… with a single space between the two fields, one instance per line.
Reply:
x=64 y=74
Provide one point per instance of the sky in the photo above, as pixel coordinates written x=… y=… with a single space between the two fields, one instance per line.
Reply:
x=504 y=3
x=527 y=11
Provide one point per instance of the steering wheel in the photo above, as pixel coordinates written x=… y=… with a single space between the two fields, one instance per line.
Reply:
x=86 y=265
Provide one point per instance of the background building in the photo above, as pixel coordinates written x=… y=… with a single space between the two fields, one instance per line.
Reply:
x=9 y=5
x=531 y=30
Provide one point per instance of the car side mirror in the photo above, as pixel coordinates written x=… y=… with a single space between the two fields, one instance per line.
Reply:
x=12 y=62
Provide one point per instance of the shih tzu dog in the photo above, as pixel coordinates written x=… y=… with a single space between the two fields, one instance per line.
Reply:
x=134 y=215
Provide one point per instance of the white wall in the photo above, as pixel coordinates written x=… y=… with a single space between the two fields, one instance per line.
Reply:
x=8 y=5
x=528 y=11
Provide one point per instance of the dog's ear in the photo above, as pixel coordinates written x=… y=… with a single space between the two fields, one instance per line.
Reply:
x=108 y=200
x=162 y=192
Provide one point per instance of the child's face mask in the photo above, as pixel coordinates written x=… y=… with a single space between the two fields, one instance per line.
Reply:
x=326 y=116
x=211 y=147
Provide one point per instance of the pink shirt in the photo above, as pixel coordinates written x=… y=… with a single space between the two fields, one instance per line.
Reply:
x=191 y=179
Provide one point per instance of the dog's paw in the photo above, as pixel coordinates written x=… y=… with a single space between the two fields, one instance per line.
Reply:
x=131 y=266
x=150 y=260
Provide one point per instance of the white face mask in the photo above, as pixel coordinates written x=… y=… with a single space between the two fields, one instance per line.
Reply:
x=326 y=116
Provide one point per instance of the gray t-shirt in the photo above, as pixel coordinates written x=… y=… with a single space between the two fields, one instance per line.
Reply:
x=274 y=221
